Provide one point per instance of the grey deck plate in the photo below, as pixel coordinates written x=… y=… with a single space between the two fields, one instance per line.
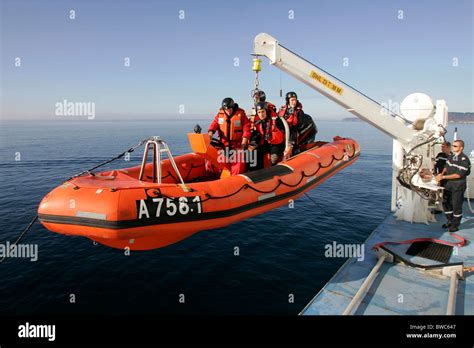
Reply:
x=399 y=289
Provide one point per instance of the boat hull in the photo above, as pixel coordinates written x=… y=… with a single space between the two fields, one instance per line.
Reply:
x=122 y=213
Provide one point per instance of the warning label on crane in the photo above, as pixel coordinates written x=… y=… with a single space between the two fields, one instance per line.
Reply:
x=326 y=82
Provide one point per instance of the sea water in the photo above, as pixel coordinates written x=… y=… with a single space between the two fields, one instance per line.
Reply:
x=270 y=264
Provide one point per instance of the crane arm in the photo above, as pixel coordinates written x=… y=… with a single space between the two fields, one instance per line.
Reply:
x=333 y=88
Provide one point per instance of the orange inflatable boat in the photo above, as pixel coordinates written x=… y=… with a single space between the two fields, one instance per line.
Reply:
x=164 y=201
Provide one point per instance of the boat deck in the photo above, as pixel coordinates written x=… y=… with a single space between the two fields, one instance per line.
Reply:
x=399 y=289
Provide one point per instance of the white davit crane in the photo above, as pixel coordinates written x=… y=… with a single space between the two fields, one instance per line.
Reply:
x=417 y=132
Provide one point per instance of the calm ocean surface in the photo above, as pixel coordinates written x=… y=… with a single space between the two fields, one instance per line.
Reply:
x=281 y=252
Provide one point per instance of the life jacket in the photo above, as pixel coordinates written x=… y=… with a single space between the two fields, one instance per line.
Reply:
x=291 y=118
x=231 y=128
x=271 y=134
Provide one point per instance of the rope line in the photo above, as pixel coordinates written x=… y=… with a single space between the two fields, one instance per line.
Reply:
x=20 y=237
x=89 y=171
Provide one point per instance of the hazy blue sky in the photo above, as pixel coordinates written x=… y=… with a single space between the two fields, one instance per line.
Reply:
x=191 y=61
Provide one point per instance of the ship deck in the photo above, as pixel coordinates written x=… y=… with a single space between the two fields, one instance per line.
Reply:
x=399 y=289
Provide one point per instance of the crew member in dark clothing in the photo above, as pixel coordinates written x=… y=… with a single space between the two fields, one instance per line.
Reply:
x=306 y=132
x=442 y=157
x=458 y=167
x=440 y=163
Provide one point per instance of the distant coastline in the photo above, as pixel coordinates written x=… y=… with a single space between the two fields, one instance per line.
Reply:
x=453 y=117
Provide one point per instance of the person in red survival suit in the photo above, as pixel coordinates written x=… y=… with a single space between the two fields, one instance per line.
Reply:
x=233 y=129
x=268 y=136
x=302 y=127
x=290 y=112
x=259 y=96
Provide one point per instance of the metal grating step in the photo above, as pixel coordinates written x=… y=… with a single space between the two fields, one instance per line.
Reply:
x=431 y=250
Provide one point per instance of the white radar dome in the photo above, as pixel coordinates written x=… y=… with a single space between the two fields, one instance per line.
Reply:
x=417 y=106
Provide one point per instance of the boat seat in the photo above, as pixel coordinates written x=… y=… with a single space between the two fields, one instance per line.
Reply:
x=201 y=144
